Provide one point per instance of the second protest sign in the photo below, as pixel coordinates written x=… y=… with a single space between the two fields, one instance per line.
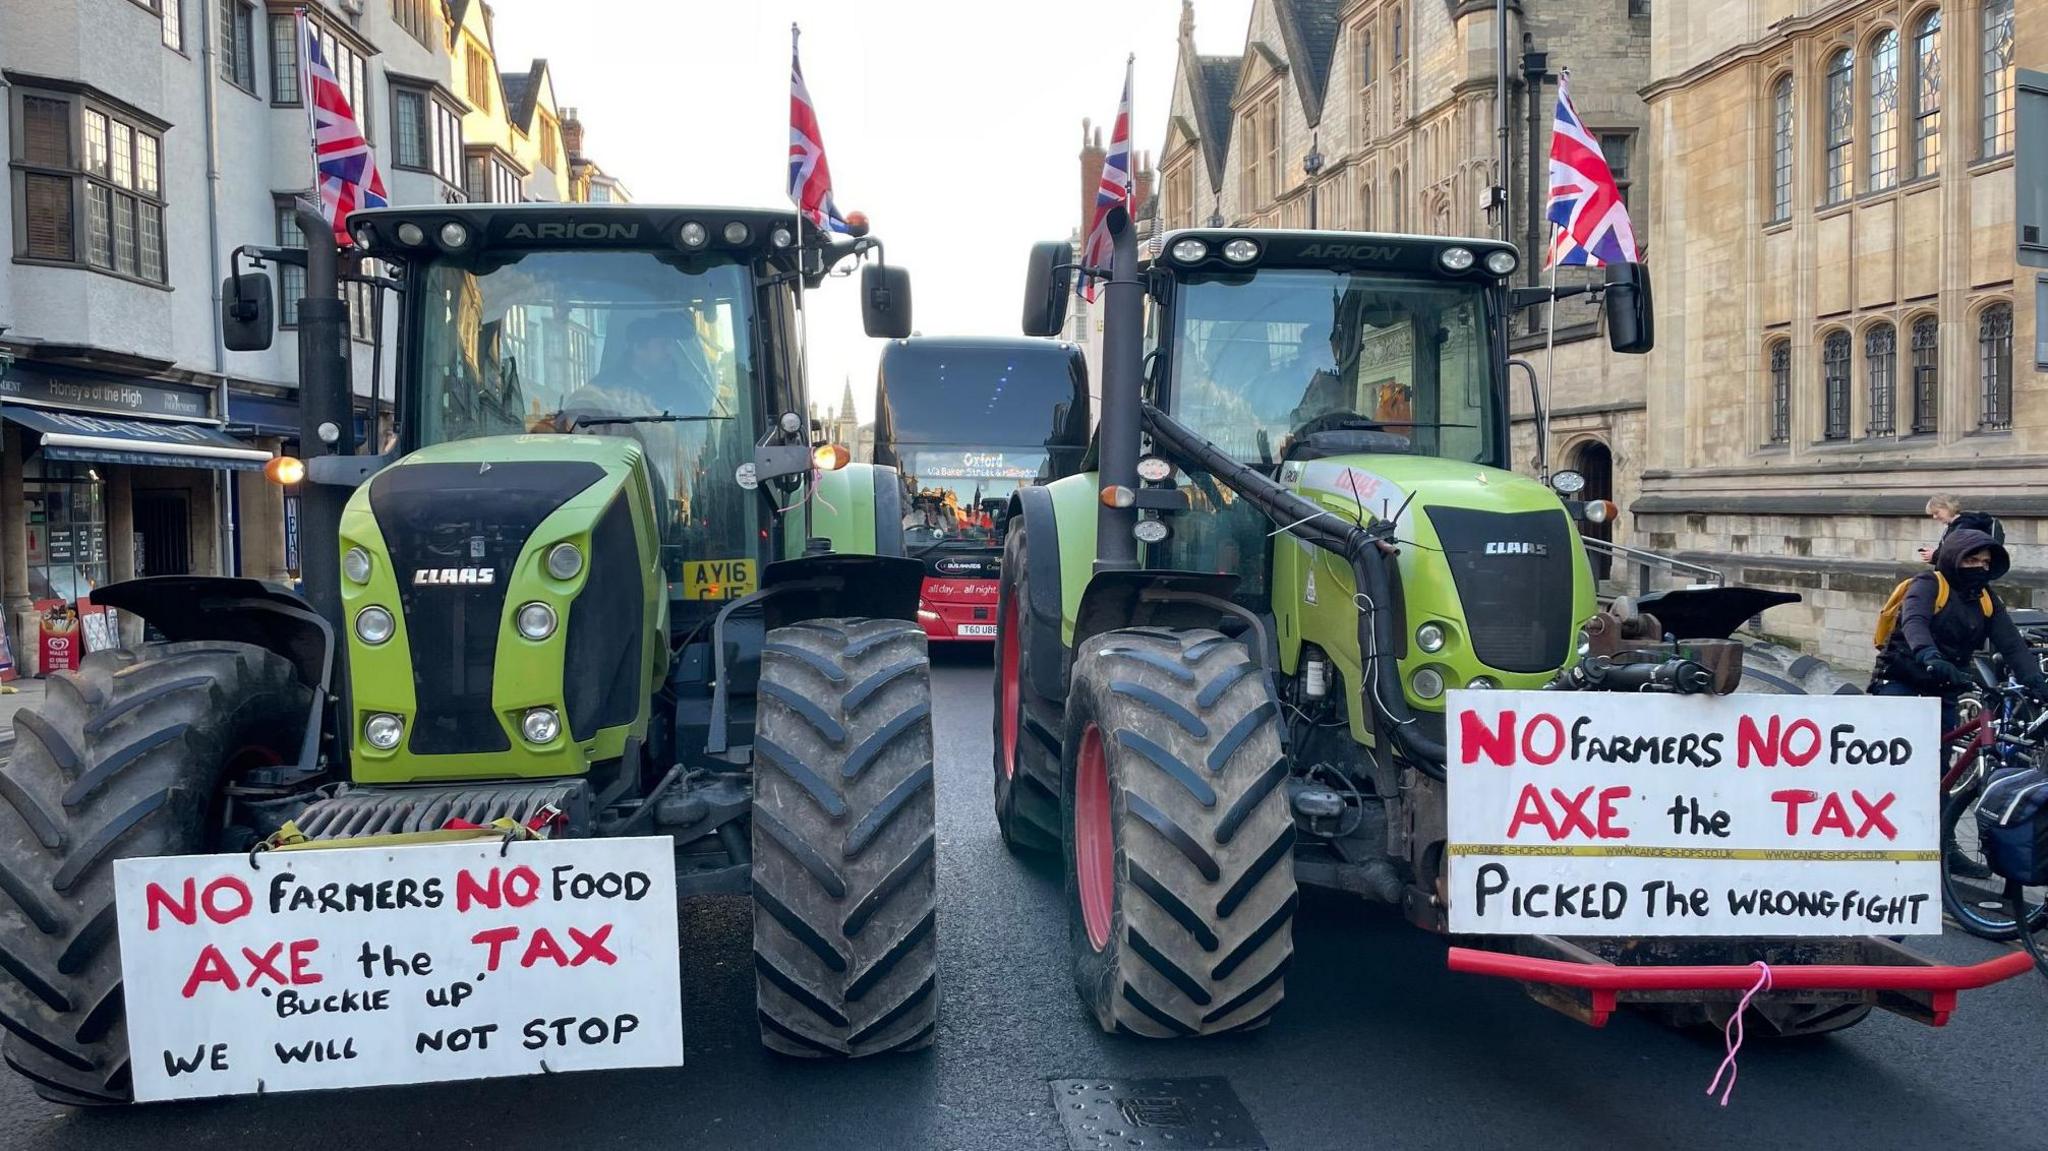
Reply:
x=1589 y=813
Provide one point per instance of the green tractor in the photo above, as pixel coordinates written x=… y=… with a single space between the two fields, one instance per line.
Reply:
x=1224 y=652
x=600 y=580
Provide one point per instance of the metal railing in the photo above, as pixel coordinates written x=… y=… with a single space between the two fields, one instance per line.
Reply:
x=1647 y=564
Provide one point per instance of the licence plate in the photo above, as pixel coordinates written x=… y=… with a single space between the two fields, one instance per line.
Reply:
x=987 y=629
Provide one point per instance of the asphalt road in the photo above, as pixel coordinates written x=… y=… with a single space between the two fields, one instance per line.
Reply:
x=1377 y=1046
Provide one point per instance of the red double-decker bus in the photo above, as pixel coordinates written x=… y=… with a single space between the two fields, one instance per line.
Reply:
x=967 y=422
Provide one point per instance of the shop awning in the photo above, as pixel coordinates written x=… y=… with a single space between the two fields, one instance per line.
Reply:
x=105 y=440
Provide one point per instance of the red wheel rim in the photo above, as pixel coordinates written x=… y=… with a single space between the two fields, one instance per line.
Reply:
x=1094 y=844
x=1012 y=693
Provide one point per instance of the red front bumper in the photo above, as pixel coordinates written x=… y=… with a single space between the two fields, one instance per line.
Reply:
x=1902 y=982
x=958 y=610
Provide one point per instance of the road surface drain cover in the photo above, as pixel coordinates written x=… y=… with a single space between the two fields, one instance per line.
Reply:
x=1158 y=1113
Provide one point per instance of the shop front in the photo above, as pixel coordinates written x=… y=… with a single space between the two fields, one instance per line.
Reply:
x=102 y=478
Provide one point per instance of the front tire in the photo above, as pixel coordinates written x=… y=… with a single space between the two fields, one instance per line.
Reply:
x=128 y=757
x=844 y=869
x=1178 y=837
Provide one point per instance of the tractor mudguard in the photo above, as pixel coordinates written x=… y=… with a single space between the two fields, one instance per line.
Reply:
x=839 y=585
x=1042 y=614
x=1180 y=600
x=266 y=615
x=1709 y=613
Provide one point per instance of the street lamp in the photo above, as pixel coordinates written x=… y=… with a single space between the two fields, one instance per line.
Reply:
x=1311 y=165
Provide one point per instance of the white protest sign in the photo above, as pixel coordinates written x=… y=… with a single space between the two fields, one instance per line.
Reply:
x=353 y=967
x=1599 y=813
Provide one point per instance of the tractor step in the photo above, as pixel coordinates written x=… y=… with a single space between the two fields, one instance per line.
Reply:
x=364 y=811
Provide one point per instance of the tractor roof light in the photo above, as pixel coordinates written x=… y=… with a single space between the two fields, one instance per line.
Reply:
x=1152 y=531
x=1241 y=251
x=383 y=730
x=454 y=235
x=692 y=235
x=540 y=725
x=374 y=625
x=411 y=234
x=737 y=233
x=1118 y=496
x=830 y=457
x=1502 y=263
x=565 y=561
x=1456 y=259
x=285 y=470
x=536 y=621
x=365 y=236
x=1190 y=251
x=355 y=564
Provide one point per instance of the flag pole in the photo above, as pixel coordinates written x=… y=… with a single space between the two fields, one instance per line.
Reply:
x=306 y=102
x=1549 y=352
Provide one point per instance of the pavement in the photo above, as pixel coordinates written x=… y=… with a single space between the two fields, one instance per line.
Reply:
x=1377 y=1046
x=26 y=693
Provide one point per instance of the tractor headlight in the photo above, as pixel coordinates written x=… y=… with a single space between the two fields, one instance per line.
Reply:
x=374 y=625
x=1456 y=259
x=1430 y=637
x=536 y=621
x=1240 y=251
x=1152 y=531
x=382 y=731
x=1501 y=263
x=1154 y=470
x=1190 y=251
x=737 y=233
x=540 y=725
x=355 y=564
x=1428 y=683
x=781 y=238
x=410 y=235
x=1483 y=683
x=693 y=235
x=565 y=561
x=454 y=235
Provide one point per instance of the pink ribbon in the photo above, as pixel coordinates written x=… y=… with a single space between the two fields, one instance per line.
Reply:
x=1733 y=1033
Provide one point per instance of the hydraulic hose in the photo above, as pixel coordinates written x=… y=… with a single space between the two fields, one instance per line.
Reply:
x=1359 y=545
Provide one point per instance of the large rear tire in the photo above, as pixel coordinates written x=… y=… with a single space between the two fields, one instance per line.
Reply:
x=1178 y=835
x=1026 y=723
x=127 y=757
x=844 y=869
x=1771 y=669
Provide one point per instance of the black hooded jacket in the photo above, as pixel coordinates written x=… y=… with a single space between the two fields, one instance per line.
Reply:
x=1960 y=629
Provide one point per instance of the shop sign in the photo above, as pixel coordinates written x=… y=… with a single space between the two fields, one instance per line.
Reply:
x=124 y=397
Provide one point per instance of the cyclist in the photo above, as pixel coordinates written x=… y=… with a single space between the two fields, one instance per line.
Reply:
x=1937 y=633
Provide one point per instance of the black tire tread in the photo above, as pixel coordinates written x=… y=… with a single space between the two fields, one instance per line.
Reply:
x=844 y=842
x=1206 y=895
x=1027 y=810
x=125 y=758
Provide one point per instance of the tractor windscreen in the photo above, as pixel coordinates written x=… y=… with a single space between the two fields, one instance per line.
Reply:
x=967 y=426
x=646 y=345
x=1261 y=359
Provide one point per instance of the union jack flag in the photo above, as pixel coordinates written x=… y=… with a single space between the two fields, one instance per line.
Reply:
x=344 y=167
x=810 y=178
x=1585 y=203
x=1115 y=188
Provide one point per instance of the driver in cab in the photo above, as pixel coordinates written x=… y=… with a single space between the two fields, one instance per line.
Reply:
x=649 y=374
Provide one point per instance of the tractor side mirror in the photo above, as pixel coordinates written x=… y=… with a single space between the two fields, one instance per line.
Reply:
x=885 y=301
x=246 y=312
x=1631 y=320
x=1047 y=280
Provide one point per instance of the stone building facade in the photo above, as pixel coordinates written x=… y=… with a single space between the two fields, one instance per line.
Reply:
x=1839 y=306
x=1379 y=116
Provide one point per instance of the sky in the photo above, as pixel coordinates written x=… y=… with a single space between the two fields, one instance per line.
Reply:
x=954 y=124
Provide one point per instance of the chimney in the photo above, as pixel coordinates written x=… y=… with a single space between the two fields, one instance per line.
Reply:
x=1092 y=157
x=572 y=134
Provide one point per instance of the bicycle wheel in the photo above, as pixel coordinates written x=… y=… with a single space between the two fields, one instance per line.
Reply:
x=1977 y=901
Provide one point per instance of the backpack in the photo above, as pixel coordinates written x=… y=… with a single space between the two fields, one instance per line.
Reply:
x=2012 y=824
x=1888 y=615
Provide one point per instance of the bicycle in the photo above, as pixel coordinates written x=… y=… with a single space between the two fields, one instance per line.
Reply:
x=2000 y=727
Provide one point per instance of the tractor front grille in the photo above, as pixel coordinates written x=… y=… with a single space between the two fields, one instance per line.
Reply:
x=1513 y=572
x=467 y=524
